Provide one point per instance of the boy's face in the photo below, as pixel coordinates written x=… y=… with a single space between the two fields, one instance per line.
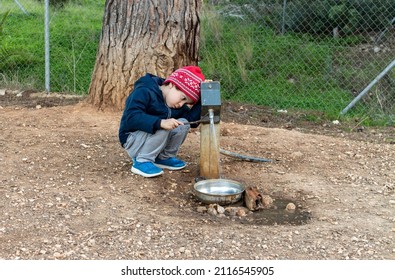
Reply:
x=175 y=98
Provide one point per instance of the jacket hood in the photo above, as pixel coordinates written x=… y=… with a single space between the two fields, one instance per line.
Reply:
x=149 y=81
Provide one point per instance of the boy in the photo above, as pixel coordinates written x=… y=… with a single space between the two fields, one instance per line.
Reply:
x=152 y=127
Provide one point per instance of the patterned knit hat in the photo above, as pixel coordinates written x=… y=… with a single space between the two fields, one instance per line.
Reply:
x=187 y=79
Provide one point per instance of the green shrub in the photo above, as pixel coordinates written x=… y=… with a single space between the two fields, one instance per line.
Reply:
x=2 y=20
x=349 y=16
x=73 y=44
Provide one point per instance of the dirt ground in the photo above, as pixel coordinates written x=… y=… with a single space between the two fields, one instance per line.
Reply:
x=66 y=190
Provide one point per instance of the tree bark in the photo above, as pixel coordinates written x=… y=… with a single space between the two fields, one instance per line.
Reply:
x=138 y=37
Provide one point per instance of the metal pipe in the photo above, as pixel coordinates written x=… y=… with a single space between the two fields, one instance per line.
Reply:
x=211 y=116
x=244 y=157
x=283 y=17
x=356 y=99
x=199 y=121
x=47 y=72
x=21 y=7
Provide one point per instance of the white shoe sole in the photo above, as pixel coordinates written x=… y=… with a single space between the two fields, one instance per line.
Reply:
x=169 y=167
x=138 y=172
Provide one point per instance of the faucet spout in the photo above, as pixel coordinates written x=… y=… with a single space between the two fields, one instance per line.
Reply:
x=211 y=116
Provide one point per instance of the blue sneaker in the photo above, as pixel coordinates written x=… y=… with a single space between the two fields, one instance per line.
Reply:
x=170 y=163
x=146 y=169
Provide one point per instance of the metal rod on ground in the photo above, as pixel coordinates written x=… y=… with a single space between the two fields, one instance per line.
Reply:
x=248 y=158
x=356 y=99
x=47 y=74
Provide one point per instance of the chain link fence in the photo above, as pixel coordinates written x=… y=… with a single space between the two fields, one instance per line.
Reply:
x=74 y=28
x=303 y=55
x=309 y=55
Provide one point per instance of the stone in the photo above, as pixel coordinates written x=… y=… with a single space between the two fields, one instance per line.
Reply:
x=290 y=207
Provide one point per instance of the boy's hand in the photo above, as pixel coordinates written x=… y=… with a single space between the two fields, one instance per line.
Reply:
x=170 y=124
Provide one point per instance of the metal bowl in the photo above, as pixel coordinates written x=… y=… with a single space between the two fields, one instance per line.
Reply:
x=219 y=191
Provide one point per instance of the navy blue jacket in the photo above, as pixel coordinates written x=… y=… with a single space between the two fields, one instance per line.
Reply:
x=145 y=108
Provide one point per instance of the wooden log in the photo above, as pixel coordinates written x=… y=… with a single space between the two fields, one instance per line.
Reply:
x=209 y=151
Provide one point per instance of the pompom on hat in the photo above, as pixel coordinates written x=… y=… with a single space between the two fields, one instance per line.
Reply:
x=187 y=79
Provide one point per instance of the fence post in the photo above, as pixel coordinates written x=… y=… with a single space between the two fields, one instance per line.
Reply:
x=47 y=73
x=283 y=17
x=372 y=83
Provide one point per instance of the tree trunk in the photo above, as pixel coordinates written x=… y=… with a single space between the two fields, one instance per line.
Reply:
x=138 y=37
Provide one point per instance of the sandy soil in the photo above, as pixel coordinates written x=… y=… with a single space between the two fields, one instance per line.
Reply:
x=66 y=190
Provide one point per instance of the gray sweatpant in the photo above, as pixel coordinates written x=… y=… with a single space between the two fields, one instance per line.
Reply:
x=163 y=144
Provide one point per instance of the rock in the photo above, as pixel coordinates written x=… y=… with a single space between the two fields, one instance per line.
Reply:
x=91 y=242
x=57 y=255
x=188 y=253
x=255 y=200
x=267 y=201
x=225 y=132
x=296 y=154
x=290 y=207
x=241 y=212
x=201 y=209
x=212 y=211
x=220 y=209
x=231 y=211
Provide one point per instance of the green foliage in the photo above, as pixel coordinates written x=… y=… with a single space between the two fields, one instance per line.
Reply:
x=253 y=63
x=11 y=58
x=2 y=20
x=14 y=52
x=73 y=44
x=76 y=47
x=349 y=16
x=292 y=71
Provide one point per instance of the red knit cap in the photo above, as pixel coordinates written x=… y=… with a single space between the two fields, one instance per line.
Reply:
x=187 y=79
